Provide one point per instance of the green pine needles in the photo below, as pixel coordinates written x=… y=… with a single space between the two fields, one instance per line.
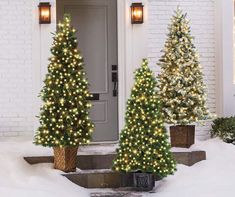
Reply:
x=143 y=141
x=181 y=86
x=64 y=117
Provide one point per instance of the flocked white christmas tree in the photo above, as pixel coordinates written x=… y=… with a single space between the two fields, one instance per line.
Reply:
x=181 y=86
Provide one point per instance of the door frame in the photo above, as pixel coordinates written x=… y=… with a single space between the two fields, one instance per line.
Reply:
x=42 y=40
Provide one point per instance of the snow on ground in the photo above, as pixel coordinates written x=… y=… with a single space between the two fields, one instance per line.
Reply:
x=98 y=149
x=19 y=179
x=214 y=177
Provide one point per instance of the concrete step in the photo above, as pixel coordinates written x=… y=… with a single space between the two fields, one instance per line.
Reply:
x=115 y=194
x=110 y=194
x=94 y=169
x=102 y=179
x=104 y=161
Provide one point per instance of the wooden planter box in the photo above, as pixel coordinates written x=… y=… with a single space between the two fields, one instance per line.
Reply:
x=65 y=159
x=182 y=135
x=143 y=181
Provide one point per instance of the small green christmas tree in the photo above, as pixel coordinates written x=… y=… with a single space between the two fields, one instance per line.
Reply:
x=64 y=117
x=143 y=141
x=181 y=86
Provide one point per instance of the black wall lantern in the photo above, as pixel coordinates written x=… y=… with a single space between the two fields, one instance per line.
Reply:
x=44 y=13
x=137 y=13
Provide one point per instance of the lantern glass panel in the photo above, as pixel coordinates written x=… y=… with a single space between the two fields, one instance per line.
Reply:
x=44 y=13
x=137 y=13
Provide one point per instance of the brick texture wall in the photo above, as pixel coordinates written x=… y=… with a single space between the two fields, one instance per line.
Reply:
x=16 y=76
x=16 y=67
x=202 y=16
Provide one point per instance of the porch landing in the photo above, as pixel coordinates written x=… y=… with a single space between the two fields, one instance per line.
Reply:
x=95 y=161
x=101 y=156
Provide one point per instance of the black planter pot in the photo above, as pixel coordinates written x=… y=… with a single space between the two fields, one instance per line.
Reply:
x=143 y=181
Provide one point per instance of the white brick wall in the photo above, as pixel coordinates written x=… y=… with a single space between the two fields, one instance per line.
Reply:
x=17 y=69
x=202 y=16
x=16 y=75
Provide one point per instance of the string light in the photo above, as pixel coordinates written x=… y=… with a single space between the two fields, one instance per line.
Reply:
x=143 y=141
x=64 y=117
x=181 y=86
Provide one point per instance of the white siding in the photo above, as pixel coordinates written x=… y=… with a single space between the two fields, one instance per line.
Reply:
x=16 y=75
x=202 y=16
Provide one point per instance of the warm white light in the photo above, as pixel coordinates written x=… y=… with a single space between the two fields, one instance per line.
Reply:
x=137 y=13
x=45 y=14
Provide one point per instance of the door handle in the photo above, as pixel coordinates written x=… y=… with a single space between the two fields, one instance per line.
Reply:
x=114 y=77
x=115 y=80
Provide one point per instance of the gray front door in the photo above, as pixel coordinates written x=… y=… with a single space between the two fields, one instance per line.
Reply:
x=96 y=22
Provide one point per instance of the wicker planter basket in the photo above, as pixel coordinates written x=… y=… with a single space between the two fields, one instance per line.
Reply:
x=65 y=158
x=182 y=135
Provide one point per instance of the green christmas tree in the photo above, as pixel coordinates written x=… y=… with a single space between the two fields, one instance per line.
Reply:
x=64 y=116
x=181 y=86
x=143 y=141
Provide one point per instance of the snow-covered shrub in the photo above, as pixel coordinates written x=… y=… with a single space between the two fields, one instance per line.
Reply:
x=224 y=128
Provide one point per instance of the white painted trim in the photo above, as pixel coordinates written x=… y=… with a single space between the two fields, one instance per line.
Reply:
x=40 y=53
x=121 y=62
x=132 y=48
x=36 y=62
x=219 y=69
x=224 y=52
